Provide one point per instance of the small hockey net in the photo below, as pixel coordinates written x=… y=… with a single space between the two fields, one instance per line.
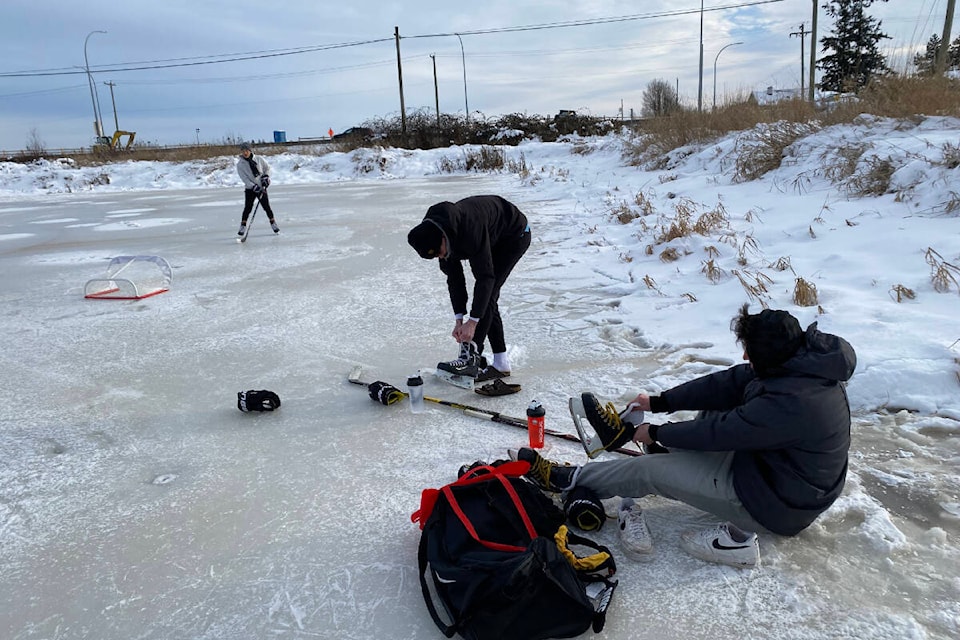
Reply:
x=131 y=278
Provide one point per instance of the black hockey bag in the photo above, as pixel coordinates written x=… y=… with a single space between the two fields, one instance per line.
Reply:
x=496 y=562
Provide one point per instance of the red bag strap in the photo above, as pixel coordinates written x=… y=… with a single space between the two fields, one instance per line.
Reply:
x=524 y=517
x=428 y=498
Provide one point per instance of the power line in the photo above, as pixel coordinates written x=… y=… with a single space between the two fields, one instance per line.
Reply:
x=171 y=63
x=581 y=23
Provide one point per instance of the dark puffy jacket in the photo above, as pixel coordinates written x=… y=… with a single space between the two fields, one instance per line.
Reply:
x=790 y=430
x=473 y=228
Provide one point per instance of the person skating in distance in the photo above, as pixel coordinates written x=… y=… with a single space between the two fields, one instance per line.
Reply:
x=255 y=173
x=492 y=234
x=767 y=451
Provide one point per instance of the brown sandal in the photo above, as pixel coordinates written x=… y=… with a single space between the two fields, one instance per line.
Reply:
x=498 y=388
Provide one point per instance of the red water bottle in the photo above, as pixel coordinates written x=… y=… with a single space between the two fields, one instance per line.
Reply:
x=535 y=414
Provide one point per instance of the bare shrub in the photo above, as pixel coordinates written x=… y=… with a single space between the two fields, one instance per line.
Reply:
x=805 y=293
x=711 y=251
x=900 y=293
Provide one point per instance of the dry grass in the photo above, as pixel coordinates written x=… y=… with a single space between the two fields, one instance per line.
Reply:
x=782 y=264
x=670 y=254
x=900 y=293
x=805 y=293
x=760 y=150
x=710 y=221
x=713 y=272
x=892 y=97
x=755 y=284
x=943 y=274
x=873 y=179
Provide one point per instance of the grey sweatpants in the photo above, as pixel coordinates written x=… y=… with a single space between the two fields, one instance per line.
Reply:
x=701 y=479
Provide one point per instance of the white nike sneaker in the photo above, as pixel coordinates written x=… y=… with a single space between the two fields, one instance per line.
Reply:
x=634 y=535
x=723 y=544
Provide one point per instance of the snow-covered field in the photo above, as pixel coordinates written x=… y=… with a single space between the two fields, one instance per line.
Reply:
x=137 y=502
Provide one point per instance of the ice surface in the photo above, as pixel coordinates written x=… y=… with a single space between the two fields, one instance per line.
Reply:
x=137 y=502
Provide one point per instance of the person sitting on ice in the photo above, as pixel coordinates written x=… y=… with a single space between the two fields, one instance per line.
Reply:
x=767 y=451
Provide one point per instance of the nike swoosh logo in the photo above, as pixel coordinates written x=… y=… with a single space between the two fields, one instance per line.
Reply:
x=723 y=547
x=442 y=580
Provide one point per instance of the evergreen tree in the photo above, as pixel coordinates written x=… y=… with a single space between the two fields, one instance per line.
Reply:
x=926 y=61
x=854 y=56
x=953 y=61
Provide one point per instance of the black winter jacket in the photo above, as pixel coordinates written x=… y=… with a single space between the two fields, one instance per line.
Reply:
x=790 y=430
x=474 y=227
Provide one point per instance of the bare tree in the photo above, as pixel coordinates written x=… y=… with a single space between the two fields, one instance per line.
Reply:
x=659 y=99
x=35 y=145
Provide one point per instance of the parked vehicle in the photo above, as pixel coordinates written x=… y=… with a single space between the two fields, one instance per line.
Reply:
x=355 y=133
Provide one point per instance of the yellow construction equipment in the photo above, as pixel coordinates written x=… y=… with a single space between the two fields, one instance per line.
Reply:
x=113 y=144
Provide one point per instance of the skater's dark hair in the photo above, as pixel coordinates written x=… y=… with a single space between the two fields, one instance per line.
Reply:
x=770 y=337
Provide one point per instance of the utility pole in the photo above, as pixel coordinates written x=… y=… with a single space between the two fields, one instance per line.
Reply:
x=436 y=90
x=116 y=123
x=403 y=109
x=943 y=52
x=700 y=89
x=813 y=52
x=801 y=34
x=463 y=59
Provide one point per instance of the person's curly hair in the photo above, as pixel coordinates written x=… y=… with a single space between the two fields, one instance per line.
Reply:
x=770 y=337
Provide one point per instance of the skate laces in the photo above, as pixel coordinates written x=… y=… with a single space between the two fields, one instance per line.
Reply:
x=465 y=357
x=608 y=414
x=540 y=469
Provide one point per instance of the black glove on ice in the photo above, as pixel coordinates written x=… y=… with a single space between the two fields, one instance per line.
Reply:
x=257 y=400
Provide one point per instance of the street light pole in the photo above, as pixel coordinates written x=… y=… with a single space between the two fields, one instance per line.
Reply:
x=715 y=71
x=96 y=114
x=463 y=59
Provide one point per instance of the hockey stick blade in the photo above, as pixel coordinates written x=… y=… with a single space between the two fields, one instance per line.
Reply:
x=356 y=374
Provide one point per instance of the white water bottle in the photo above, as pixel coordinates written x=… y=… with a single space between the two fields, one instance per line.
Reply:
x=415 y=389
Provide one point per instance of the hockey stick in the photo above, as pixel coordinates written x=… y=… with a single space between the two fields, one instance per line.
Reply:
x=250 y=221
x=486 y=414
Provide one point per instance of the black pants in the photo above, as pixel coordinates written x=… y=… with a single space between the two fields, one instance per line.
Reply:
x=248 y=197
x=505 y=257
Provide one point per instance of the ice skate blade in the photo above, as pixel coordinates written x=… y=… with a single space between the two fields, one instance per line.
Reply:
x=464 y=382
x=591 y=442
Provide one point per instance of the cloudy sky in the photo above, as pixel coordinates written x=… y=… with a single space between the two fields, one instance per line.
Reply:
x=213 y=70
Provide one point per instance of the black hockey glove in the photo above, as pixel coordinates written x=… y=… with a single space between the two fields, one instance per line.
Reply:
x=385 y=393
x=257 y=400
x=257 y=188
x=265 y=181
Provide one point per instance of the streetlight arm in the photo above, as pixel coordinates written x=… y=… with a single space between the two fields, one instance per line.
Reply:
x=715 y=70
